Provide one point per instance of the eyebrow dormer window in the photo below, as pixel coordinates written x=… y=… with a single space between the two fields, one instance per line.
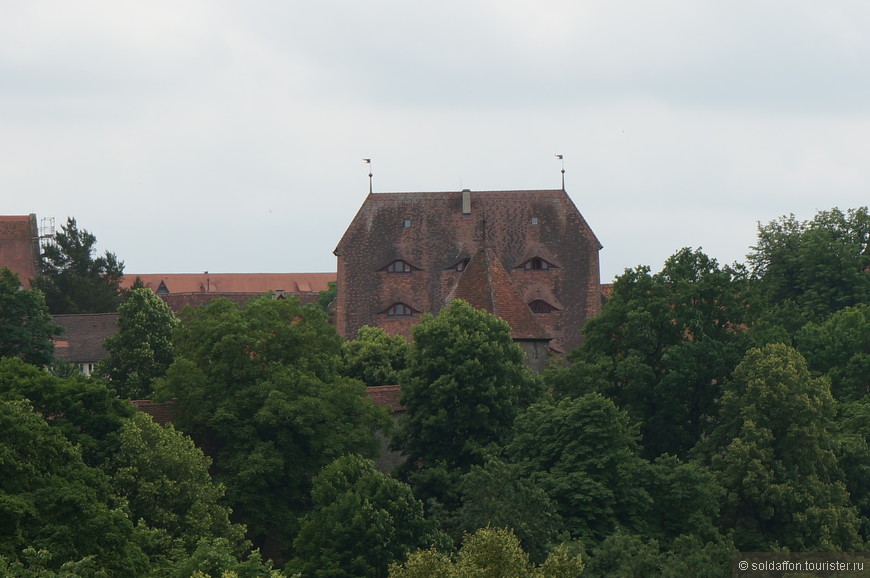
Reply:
x=399 y=310
x=541 y=307
x=537 y=264
x=398 y=266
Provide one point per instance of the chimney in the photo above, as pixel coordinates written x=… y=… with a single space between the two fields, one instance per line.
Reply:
x=466 y=201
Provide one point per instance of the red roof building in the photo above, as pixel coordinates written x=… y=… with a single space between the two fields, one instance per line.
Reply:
x=81 y=341
x=195 y=289
x=19 y=246
x=526 y=256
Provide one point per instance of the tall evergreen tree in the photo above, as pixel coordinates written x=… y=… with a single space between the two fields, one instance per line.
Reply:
x=73 y=279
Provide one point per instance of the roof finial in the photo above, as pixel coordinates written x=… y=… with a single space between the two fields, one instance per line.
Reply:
x=563 y=170
x=369 y=163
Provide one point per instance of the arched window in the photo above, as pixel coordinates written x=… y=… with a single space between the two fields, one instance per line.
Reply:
x=541 y=307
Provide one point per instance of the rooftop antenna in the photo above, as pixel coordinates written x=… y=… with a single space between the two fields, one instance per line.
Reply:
x=369 y=163
x=562 y=160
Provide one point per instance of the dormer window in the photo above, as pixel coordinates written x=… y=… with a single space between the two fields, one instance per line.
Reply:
x=537 y=264
x=398 y=266
x=162 y=289
x=541 y=307
x=399 y=310
x=460 y=265
x=406 y=223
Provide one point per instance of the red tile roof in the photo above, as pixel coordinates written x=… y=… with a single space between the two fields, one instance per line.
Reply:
x=255 y=283
x=486 y=285
x=83 y=336
x=434 y=231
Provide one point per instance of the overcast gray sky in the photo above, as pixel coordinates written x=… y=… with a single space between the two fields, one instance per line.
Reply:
x=228 y=136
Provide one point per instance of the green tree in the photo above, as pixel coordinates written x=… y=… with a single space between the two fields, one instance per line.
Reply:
x=806 y=270
x=326 y=297
x=839 y=348
x=488 y=553
x=50 y=500
x=218 y=558
x=164 y=481
x=259 y=390
x=774 y=454
x=584 y=453
x=662 y=347
x=374 y=357
x=498 y=495
x=84 y=410
x=363 y=521
x=687 y=499
x=73 y=279
x=629 y=555
x=142 y=349
x=466 y=381
x=26 y=327
x=852 y=432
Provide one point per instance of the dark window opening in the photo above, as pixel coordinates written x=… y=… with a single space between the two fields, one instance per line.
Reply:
x=541 y=307
x=537 y=264
x=399 y=310
x=460 y=265
x=398 y=266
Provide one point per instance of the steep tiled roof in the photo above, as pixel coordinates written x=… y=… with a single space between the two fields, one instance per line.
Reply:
x=19 y=246
x=435 y=231
x=486 y=285
x=83 y=336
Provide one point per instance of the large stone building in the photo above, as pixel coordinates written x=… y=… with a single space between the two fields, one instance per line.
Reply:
x=527 y=256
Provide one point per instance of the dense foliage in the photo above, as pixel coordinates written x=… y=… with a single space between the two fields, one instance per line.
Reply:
x=25 y=325
x=141 y=350
x=259 y=389
x=710 y=409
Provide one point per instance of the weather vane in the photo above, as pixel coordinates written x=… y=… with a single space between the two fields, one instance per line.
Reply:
x=563 y=170
x=369 y=163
